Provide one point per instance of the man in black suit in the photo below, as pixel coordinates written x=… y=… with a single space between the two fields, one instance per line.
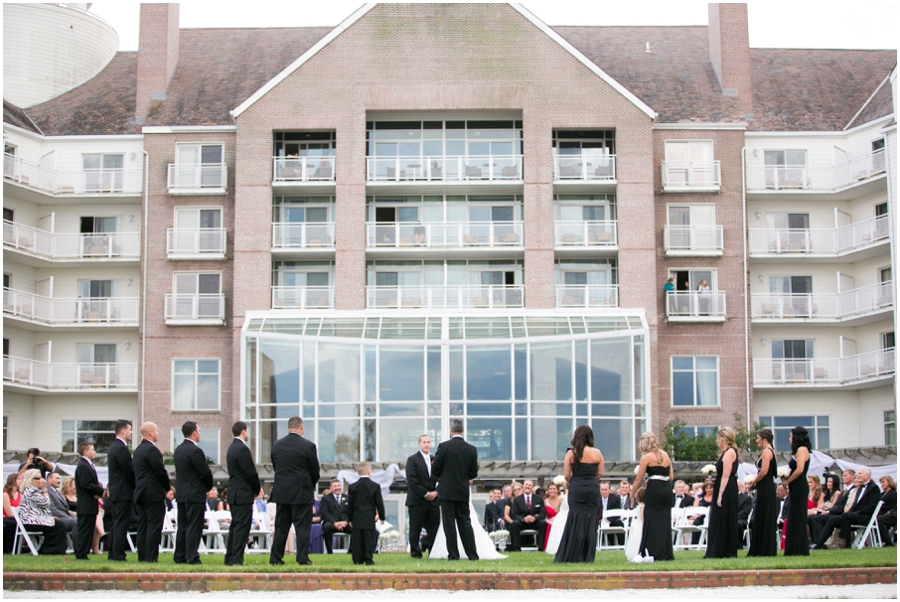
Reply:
x=683 y=499
x=151 y=482
x=527 y=512
x=121 y=489
x=421 y=498
x=59 y=507
x=296 y=466
x=88 y=490
x=243 y=486
x=364 y=500
x=859 y=513
x=745 y=506
x=624 y=492
x=335 y=518
x=194 y=479
x=492 y=514
x=610 y=501
x=455 y=466
x=816 y=522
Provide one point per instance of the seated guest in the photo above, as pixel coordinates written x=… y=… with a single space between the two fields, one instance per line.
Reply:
x=527 y=512
x=624 y=492
x=704 y=501
x=212 y=499
x=745 y=505
x=67 y=489
x=58 y=505
x=859 y=512
x=816 y=497
x=610 y=501
x=170 y=500
x=11 y=499
x=334 y=514
x=781 y=493
x=887 y=516
x=683 y=499
x=516 y=491
x=223 y=500
x=831 y=491
x=34 y=512
x=492 y=515
x=816 y=522
x=316 y=535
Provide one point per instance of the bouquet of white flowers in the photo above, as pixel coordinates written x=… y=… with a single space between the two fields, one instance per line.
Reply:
x=784 y=471
x=559 y=481
x=749 y=479
x=637 y=468
x=709 y=470
x=499 y=538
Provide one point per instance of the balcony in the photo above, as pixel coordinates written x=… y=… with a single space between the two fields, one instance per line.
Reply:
x=193 y=179
x=587 y=295
x=394 y=237
x=584 y=168
x=695 y=306
x=195 y=309
x=859 y=175
x=302 y=297
x=587 y=234
x=309 y=238
x=854 y=305
x=80 y=183
x=71 y=247
x=856 y=371
x=32 y=375
x=196 y=243
x=459 y=169
x=858 y=240
x=691 y=176
x=303 y=172
x=694 y=241
x=81 y=312
x=445 y=297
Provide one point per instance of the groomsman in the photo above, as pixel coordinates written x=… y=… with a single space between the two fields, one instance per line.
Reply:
x=243 y=485
x=194 y=479
x=421 y=498
x=88 y=490
x=151 y=482
x=455 y=466
x=121 y=489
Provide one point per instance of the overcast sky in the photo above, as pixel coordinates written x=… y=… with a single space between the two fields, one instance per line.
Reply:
x=773 y=24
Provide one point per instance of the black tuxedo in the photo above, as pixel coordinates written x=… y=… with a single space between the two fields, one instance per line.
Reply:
x=455 y=464
x=816 y=522
x=296 y=466
x=89 y=490
x=365 y=498
x=193 y=480
x=745 y=506
x=613 y=502
x=151 y=482
x=333 y=511
x=422 y=513
x=685 y=502
x=519 y=510
x=860 y=513
x=121 y=496
x=243 y=487
x=493 y=513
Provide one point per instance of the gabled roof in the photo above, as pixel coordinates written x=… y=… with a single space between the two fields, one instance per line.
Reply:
x=13 y=115
x=880 y=104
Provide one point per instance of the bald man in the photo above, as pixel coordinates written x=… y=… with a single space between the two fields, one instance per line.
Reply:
x=151 y=485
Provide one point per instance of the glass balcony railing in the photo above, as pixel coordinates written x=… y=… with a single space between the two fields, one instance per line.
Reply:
x=816 y=177
x=196 y=242
x=302 y=297
x=695 y=306
x=68 y=246
x=685 y=176
x=466 y=168
x=302 y=235
x=195 y=308
x=77 y=311
x=586 y=233
x=823 y=306
x=444 y=234
x=105 y=181
x=289 y=170
x=54 y=376
x=823 y=371
x=587 y=295
x=820 y=241
x=445 y=297
x=206 y=177
x=584 y=167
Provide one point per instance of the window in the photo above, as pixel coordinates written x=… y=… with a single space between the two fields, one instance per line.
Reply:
x=99 y=432
x=690 y=163
x=5 y=432
x=786 y=169
x=890 y=428
x=197 y=295
x=695 y=381
x=198 y=231
x=9 y=162
x=200 y=166
x=195 y=384
x=103 y=172
x=818 y=427
x=98 y=289
x=95 y=353
x=692 y=227
x=794 y=295
x=791 y=359
x=99 y=225
x=887 y=340
x=209 y=442
x=878 y=155
x=696 y=431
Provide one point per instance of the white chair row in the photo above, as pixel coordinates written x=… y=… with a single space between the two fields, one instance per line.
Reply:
x=607 y=532
x=683 y=527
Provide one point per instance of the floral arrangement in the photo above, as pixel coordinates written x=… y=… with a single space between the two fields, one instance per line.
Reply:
x=559 y=481
x=391 y=535
x=499 y=537
x=709 y=470
x=389 y=541
x=637 y=468
x=784 y=471
x=749 y=479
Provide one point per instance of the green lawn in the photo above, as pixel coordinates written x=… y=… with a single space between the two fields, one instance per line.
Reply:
x=516 y=563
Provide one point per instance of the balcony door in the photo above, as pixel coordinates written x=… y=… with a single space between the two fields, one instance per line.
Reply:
x=795 y=356
x=694 y=226
x=204 y=290
x=798 y=292
x=103 y=172
x=689 y=163
x=200 y=166
x=200 y=225
x=785 y=169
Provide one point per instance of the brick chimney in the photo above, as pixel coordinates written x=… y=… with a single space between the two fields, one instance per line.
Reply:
x=157 y=55
x=729 y=51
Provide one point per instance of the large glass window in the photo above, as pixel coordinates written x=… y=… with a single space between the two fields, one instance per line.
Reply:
x=195 y=384
x=695 y=381
x=818 y=427
x=209 y=442
x=98 y=432
x=890 y=427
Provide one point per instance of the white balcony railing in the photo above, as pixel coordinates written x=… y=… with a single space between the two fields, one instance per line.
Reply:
x=55 y=311
x=195 y=308
x=820 y=241
x=816 y=177
x=445 y=297
x=824 y=306
x=302 y=297
x=587 y=295
x=696 y=306
x=209 y=177
x=694 y=240
x=61 y=183
x=53 y=376
x=196 y=242
x=691 y=175
x=302 y=235
x=825 y=371
x=303 y=169
x=443 y=235
x=586 y=233
x=104 y=245
x=444 y=169
x=584 y=167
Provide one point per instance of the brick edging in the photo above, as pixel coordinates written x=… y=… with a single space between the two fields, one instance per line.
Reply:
x=175 y=582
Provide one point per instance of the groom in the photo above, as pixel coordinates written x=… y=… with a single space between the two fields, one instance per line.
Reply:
x=455 y=465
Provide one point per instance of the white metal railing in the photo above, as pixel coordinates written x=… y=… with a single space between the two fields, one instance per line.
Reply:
x=195 y=241
x=587 y=295
x=694 y=239
x=69 y=376
x=302 y=235
x=821 y=241
x=824 y=306
x=83 y=181
x=444 y=234
x=82 y=310
x=195 y=307
x=816 y=177
x=445 y=297
x=688 y=175
x=444 y=169
x=824 y=371
x=190 y=176
x=302 y=297
x=587 y=233
x=303 y=169
x=71 y=245
x=695 y=304
x=584 y=167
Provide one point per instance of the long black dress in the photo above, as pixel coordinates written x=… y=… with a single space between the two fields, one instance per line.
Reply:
x=724 y=538
x=658 y=501
x=579 y=540
x=796 y=539
x=764 y=528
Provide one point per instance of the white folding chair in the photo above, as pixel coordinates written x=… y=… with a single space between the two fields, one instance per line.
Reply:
x=606 y=530
x=259 y=533
x=22 y=534
x=686 y=526
x=868 y=534
x=167 y=543
x=213 y=539
x=747 y=529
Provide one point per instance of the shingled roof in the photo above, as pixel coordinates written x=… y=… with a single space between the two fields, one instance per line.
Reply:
x=13 y=115
x=881 y=104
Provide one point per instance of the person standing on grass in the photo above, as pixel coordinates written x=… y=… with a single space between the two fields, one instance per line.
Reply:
x=151 y=482
x=121 y=489
x=363 y=502
x=88 y=491
x=243 y=483
x=194 y=479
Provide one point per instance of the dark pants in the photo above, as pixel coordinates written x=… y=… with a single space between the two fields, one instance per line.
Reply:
x=362 y=545
x=816 y=524
x=885 y=522
x=841 y=522
x=300 y=515
x=9 y=534
x=149 y=530
x=328 y=531
x=238 y=532
x=54 y=538
x=84 y=534
x=189 y=532
x=121 y=512
x=428 y=517
x=456 y=514
x=515 y=533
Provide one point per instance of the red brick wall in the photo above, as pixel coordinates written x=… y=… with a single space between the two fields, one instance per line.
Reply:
x=158 y=54
x=729 y=50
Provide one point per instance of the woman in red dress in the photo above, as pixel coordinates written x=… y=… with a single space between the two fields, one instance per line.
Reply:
x=553 y=502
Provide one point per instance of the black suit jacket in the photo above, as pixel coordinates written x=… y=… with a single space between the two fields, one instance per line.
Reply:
x=121 y=472
x=865 y=504
x=296 y=466
x=193 y=478
x=243 y=480
x=493 y=512
x=364 y=499
x=520 y=511
x=687 y=500
x=745 y=505
x=332 y=511
x=890 y=503
x=613 y=503
x=838 y=507
x=86 y=487
x=418 y=481
x=151 y=481
x=455 y=464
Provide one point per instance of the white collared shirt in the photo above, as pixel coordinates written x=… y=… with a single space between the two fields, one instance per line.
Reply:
x=427 y=459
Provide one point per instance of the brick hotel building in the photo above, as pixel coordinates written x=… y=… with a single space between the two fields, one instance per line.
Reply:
x=442 y=210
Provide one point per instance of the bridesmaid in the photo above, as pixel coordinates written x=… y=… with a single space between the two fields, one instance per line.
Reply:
x=764 y=528
x=656 y=534
x=724 y=538
x=796 y=538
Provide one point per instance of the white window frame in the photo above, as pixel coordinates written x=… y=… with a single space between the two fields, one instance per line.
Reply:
x=693 y=371
x=116 y=174
x=205 y=437
x=198 y=274
x=769 y=421
x=199 y=176
x=890 y=421
x=195 y=374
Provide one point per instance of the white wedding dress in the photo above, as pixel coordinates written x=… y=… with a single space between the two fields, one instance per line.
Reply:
x=559 y=525
x=483 y=543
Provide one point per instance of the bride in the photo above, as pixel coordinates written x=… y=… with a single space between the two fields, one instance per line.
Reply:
x=483 y=543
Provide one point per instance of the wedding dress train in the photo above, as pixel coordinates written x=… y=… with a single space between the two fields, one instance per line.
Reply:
x=483 y=543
